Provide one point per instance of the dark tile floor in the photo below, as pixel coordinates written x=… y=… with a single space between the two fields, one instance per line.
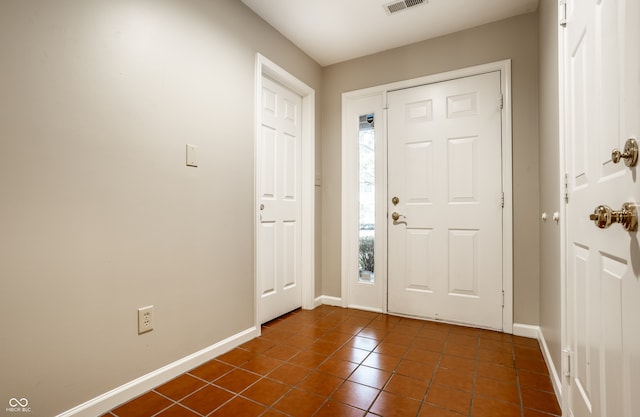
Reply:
x=341 y=362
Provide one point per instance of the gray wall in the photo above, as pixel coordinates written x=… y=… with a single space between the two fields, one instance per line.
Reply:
x=98 y=213
x=550 y=269
x=515 y=39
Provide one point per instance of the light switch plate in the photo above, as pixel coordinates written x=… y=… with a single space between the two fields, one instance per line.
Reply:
x=192 y=155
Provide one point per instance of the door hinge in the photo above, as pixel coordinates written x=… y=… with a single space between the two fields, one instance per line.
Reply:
x=502 y=199
x=566 y=188
x=501 y=101
x=562 y=13
x=566 y=362
x=502 y=298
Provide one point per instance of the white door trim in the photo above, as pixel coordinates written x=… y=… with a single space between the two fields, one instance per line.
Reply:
x=562 y=391
x=354 y=105
x=349 y=177
x=264 y=66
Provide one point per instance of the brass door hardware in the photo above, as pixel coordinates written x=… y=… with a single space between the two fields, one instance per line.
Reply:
x=395 y=216
x=395 y=201
x=604 y=217
x=629 y=154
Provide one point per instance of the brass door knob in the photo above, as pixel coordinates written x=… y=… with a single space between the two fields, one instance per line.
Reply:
x=629 y=154
x=604 y=217
x=396 y=216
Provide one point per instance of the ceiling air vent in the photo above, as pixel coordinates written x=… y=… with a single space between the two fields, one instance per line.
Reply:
x=398 y=6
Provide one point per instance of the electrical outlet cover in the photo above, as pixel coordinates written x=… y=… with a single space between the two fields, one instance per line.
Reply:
x=145 y=319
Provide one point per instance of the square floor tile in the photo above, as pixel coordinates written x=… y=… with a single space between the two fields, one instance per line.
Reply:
x=356 y=395
x=237 y=380
x=540 y=400
x=462 y=380
x=143 y=406
x=261 y=364
x=236 y=357
x=239 y=407
x=500 y=357
x=416 y=370
x=351 y=354
x=308 y=359
x=497 y=390
x=363 y=343
x=406 y=386
x=398 y=338
x=300 y=403
x=266 y=391
x=391 y=405
x=257 y=345
x=489 y=407
x=535 y=380
x=336 y=409
x=533 y=365
x=180 y=387
x=381 y=361
x=449 y=398
x=282 y=352
x=289 y=374
x=177 y=411
x=458 y=363
x=425 y=343
x=320 y=383
x=497 y=371
x=338 y=367
x=372 y=377
x=207 y=399
x=391 y=349
x=420 y=355
x=429 y=410
x=211 y=370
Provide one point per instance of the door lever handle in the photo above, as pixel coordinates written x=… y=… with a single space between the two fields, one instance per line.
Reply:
x=604 y=217
x=397 y=216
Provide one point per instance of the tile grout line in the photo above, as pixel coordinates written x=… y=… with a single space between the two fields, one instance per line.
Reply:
x=423 y=402
x=475 y=377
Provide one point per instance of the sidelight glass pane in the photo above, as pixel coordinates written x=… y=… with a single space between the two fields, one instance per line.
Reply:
x=367 y=197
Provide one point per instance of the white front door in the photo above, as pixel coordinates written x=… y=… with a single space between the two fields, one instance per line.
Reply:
x=601 y=50
x=445 y=168
x=279 y=188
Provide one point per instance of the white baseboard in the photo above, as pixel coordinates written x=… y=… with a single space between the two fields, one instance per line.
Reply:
x=555 y=378
x=365 y=308
x=328 y=300
x=526 y=330
x=105 y=402
x=534 y=332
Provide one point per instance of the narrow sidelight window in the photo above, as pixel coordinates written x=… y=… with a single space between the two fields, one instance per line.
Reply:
x=367 y=197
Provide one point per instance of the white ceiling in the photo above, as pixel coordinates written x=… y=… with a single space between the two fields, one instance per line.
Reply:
x=332 y=31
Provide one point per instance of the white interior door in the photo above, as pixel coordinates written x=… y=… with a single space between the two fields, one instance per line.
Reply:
x=601 y=82
x=279 y=183
x=445 y=168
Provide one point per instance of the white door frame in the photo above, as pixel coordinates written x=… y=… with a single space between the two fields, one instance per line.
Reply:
x=559 y=385
x=373 y=296
x=266 y=67
x=350 y=175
